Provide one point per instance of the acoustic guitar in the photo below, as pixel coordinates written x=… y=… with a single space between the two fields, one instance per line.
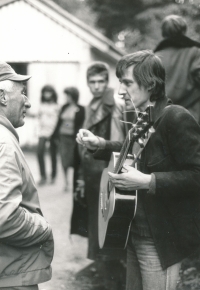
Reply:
x=117 y=208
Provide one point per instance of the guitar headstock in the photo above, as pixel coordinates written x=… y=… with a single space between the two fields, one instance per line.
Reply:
x=144 y=122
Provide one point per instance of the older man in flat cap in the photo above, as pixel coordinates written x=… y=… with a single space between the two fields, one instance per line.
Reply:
x=26 y=241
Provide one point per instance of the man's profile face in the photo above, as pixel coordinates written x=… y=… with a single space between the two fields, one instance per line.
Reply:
x=131 y=92
x=17 y=104
x=97 y=84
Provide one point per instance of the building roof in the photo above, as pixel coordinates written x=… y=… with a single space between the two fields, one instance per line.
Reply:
x=90 y=35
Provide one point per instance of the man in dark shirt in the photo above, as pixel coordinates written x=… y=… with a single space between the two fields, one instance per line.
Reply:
x=166 y=228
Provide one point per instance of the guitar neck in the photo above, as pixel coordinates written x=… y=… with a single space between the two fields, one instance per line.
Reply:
x=141 y=149
x=139 y=129
x=123 y=153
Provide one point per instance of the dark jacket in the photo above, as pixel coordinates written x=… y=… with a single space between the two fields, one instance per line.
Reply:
x=173 y=155
x=78 y=120
x=181 y=59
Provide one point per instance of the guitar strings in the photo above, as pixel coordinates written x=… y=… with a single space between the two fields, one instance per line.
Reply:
x=126 y=122
x=120 y=162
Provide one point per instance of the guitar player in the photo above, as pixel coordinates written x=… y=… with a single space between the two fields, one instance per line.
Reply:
x=166 y=227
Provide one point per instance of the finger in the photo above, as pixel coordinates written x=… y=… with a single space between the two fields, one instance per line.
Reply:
x=87 y=139
x=79 y=135
x=128 y=168
x=82 y=133
x=79 y=141
x=114 y=176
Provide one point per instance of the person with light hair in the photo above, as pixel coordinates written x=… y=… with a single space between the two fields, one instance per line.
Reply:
x=26 y=240
x=181 y=58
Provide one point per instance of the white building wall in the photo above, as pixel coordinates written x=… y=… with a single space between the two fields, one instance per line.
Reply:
x=55 y=49
x=30 y=36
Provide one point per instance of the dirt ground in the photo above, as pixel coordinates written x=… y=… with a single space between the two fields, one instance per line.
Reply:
x=71 y=269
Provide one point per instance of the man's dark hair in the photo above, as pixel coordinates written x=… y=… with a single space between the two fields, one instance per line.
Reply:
x=51 y=89
x=73 y=93
x=148 y=72
x=98 y=68
x=173 y=25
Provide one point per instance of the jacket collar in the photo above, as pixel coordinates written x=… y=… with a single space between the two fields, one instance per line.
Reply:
x=108 y=99
x=6 y=123
x=108 y=103
x=181 y=41
x=159 y=108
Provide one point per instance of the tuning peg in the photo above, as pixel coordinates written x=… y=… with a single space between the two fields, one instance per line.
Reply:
x=152 y=130
x=141 y=142
x=144 y=124
x=145 y=113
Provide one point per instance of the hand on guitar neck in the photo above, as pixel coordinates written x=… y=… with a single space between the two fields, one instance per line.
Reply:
x=87 y=139
x=131 y=179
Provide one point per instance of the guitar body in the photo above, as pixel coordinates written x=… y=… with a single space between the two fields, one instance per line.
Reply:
x=116 y=210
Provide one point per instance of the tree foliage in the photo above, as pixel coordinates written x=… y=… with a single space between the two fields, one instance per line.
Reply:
x=114 y=16
x=80 y=9
x=146 y=31
x=134 y=24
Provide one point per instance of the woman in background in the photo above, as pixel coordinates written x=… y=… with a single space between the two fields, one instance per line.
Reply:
x=48 y=116
x=70 y=120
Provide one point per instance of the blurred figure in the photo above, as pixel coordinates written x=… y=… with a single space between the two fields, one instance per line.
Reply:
x=181 y=58
x=48 y=115
x=70 y=120
x=103 y=115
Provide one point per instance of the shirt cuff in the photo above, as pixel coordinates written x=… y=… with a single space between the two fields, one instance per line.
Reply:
x=152 y=185
x=102 y=145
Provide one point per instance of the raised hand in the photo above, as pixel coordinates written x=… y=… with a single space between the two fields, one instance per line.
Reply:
x=87 y=139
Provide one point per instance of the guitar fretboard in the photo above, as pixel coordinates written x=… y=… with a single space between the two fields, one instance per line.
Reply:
x=144 y=122
x=123 y=153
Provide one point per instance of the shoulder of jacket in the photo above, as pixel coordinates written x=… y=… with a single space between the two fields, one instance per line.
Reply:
x=176 y=113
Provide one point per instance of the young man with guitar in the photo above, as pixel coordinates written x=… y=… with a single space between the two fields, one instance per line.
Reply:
x=166 y=226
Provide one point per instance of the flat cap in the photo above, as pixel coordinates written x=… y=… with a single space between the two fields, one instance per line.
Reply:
x=8 y=73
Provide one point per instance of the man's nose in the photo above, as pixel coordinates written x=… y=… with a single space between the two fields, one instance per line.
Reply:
x=96 y=85
x=27 y=103
x=122 y=90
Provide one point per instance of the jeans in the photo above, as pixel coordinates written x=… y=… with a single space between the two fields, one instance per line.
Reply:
x=144 y=271
x=41 y=153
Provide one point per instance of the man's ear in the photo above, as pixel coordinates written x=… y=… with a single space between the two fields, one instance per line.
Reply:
x=151 y=87
x=3 y=99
